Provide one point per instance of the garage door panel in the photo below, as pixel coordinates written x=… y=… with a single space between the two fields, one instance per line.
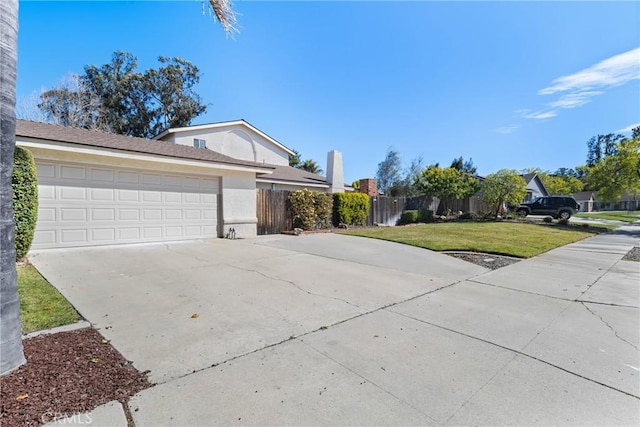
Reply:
x=73 y=172
x=129 y=214
x=73 y=215
x=102 y=175
x=102 y=194
x=86 y=205
x=100 y=214
x=103 y=235
x=73 y=236
x=72 y=193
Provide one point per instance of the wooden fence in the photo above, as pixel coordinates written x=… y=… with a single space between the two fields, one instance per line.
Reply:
x=274 y=213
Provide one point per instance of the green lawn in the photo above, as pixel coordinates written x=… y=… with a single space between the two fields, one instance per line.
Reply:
x=612 y=215
x=41 y=305
x=505 y=238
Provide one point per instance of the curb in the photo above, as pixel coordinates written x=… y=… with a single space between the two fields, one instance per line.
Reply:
x=65 y=328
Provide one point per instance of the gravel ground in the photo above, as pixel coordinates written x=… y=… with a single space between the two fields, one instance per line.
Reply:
x=490 y=261
x=66 y=373
x=633 y=255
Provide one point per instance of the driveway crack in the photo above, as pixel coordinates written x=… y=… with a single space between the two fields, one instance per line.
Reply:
x=609 y=326
x=370 y=381
x=295 y=285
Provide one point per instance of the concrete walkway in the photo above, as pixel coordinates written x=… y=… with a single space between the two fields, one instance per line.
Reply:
x=337 y=330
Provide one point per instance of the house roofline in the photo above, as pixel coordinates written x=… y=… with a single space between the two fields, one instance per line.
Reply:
x=224 y=124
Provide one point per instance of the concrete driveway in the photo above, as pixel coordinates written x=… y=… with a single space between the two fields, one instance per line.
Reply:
x=330 y=329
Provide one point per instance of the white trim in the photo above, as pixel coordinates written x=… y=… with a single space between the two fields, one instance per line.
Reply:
x=64 y=147
x=224 y=124
x=295 y=183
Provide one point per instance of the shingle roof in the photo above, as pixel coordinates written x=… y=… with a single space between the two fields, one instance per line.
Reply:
x=93 y=138
x=290 y=174
x=528 y=177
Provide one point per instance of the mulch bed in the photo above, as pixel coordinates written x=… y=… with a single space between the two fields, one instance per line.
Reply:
x=66 y=373
x=633 y=254
x=490 y=261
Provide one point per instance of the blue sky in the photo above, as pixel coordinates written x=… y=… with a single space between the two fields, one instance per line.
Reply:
x=509 y=84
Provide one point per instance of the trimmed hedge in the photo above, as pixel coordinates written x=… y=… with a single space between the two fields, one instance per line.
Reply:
x=350 y=208
x=409 y=217
x=25 y=199
x=425 y=215
x=412 y=216
x=311 y=209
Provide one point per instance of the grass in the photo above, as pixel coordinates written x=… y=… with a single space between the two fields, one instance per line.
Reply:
x=611 y=215
x=41 y=305
x=504 y=238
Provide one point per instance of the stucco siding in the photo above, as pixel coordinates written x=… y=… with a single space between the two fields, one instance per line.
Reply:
x=239 y=204
x=234 y=141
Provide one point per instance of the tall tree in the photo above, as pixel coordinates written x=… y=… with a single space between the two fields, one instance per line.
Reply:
x=618 y=173
x=295 y=160
x=389 y=171
x=446 y=183
x=504 y=186
x=11 y=350
x=115 y=97
x=602 y=146
x=310 y=166
x=464 y=166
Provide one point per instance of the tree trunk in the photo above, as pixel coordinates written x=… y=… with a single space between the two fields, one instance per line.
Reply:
x=11 y=352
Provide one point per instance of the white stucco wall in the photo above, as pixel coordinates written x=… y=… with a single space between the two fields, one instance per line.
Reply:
x=239 y=204
x=236 y=141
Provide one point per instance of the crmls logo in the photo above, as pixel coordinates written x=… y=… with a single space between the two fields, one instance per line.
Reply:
x=60 y=419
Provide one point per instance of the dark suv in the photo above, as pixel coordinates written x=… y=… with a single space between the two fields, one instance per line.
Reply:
x=556 y=206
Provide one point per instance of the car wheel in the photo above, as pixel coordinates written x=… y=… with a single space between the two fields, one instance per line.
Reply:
x=565 y=215
x=522 y=212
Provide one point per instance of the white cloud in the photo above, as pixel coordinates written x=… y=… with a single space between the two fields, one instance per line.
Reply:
x=628 y=128
x=574 y=99
x=505 y=130
x=540 y=115
x=580 y=87
x=611 y=72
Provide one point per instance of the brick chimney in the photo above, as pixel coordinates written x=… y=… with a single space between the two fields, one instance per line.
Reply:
x=369 y=186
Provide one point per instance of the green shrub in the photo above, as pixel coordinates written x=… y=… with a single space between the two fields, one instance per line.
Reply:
x=25 y=199
x=547 y=219
x=409 y=217
x=563 y=221
x=425 y=215
x=311 y=209
x=350 y=208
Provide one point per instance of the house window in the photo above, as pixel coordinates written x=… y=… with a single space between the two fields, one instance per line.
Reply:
x=199 y=143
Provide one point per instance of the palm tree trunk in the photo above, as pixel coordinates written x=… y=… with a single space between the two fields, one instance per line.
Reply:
x=11 y=352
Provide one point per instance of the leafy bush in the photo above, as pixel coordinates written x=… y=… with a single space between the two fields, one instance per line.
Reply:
x=425 y=215
x=350 y=208
x=311 y=209
x=563 y=221
x=25 y=199
x=548 y=219
x=409 y=217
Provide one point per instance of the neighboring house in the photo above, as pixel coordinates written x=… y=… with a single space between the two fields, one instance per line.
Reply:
x=587 y=199
x=535 y=187
x=628 y=202
x=240 y=140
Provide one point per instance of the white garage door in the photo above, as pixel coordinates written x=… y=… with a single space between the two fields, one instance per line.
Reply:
x=83 y=205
